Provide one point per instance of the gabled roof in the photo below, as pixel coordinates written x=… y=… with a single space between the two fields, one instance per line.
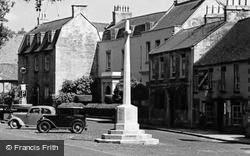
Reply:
x=8 y=51
x=188 y=37
x=234 y=46
x=178 y=14
x=138 y=20
x=8 y=71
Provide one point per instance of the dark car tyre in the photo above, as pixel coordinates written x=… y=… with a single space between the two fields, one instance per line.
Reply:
x=14 y=124
x=43 y=127
x=77 y=127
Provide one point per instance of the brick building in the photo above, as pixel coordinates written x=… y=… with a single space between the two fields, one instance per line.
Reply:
x=55 y=51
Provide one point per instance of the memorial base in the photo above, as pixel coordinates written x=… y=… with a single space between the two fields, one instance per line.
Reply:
x=127 y=129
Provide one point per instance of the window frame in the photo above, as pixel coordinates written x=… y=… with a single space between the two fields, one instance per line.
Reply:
x=172 y=66
x=47 y=62
x=36 y=63
x=108 y=60
x=183 y=65
x=236 y=78
x=148 y=49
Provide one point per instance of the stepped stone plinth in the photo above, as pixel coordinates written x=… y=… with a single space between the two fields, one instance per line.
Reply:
x=127 y=129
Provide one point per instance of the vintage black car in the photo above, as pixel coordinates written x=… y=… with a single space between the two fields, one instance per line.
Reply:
x=67 y=116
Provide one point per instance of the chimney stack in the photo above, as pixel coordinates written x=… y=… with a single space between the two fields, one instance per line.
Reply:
x=79 y=9
x=120 y=13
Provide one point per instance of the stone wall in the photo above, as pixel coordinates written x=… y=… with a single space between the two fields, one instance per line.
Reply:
x=75 y=50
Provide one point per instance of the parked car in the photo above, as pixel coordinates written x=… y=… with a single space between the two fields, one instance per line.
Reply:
x=71 y=118
x=30 y=118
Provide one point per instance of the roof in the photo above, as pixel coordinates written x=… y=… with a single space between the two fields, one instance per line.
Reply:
x=153 y=17
x=134 y=21
x=8 y=71
x=188 y=37
x=178 y=14
x=8 y=51
x=100 y=26
x=53 y=25
x=234 y=46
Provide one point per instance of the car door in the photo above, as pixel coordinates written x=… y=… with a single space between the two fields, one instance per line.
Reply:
x=33 y=116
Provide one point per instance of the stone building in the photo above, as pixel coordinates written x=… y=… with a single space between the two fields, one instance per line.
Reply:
x=8 y=63
x=171 y=65
x=55 y=51
x=148 y=32
x=221 y=83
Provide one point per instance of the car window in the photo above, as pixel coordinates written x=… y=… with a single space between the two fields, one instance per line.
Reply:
x=46 y=111
x=35 y=110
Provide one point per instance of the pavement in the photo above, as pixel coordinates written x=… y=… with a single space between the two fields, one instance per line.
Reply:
x=208 y=134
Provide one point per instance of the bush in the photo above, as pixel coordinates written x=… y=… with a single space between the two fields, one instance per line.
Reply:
x=70 y=89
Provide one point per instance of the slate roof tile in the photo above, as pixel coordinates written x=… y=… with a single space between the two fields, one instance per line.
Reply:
x=188 y=37
x=234 y=46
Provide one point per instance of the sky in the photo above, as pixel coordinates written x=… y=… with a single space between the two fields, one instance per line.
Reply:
x=23 y=14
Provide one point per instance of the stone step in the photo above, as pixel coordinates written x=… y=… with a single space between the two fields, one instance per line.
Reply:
x=127 y=136
x=150 y=141
x=126 y=132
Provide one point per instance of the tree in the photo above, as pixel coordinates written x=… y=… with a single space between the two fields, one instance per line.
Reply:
x=5 y=33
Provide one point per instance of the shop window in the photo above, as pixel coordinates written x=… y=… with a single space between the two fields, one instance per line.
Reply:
x=236 y=114
x=209 y=113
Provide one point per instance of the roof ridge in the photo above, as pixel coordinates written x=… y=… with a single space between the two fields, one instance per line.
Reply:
x=55 y=20
x=145 y=15
x=188 y=1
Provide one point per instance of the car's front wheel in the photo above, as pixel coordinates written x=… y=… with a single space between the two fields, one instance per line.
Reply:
x=14 y=124
x=43 y=127
x=77 y=127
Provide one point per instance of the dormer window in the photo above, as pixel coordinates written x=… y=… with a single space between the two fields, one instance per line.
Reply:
x=28 y=40
x=51 y=35
x=38 y=38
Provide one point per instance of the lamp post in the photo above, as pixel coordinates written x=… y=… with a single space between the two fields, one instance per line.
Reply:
x=23 y=87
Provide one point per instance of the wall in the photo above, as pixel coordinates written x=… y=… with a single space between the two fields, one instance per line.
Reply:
x=39 y=78
x=75 y=50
